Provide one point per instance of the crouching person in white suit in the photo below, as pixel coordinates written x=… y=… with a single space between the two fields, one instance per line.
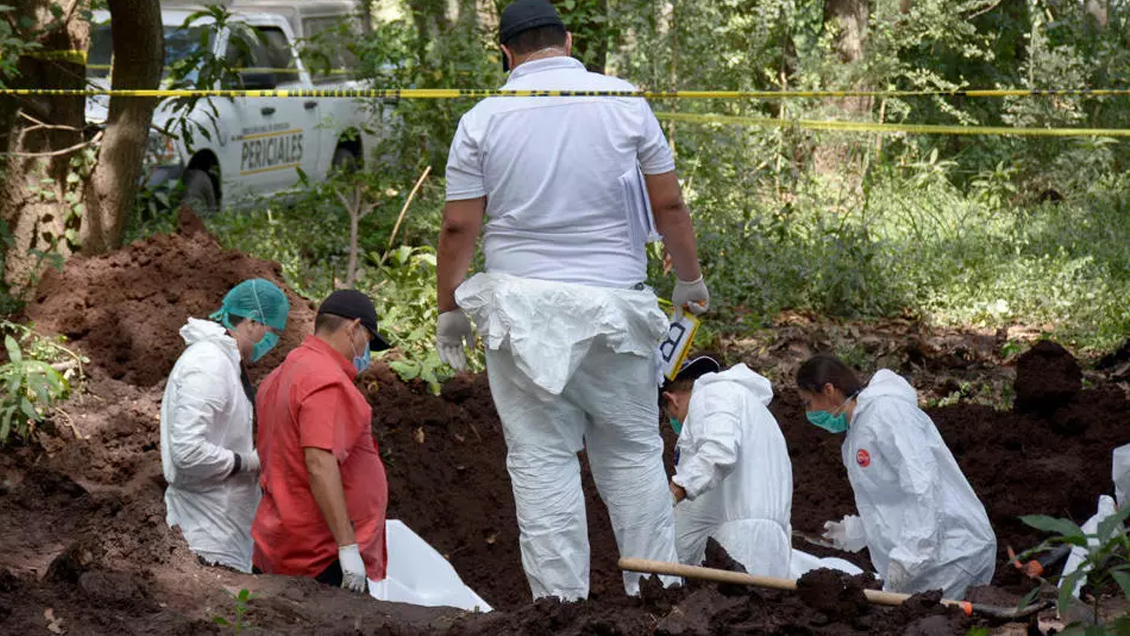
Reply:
x=919 y=517
x=733 y=479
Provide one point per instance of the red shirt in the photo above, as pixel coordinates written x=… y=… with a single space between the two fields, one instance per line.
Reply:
x=310 y=401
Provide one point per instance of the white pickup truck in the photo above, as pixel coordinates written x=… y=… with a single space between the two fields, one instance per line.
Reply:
x=256 y=145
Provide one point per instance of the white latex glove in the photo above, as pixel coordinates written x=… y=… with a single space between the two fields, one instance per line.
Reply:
x=690 y=295
x=453 y=335
x=897 y=577
x=846 y=535
x=249 y=462
x=352 y=569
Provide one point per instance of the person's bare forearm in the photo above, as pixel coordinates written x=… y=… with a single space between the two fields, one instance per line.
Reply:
x=678 y=237
x=461 y=223
x=673 y=221
x=325 y=484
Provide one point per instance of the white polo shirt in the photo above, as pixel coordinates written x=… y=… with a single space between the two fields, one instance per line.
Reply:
x=562 y=176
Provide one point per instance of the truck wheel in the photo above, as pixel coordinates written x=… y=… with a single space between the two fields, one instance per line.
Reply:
x=199 y=193
x=344 y=160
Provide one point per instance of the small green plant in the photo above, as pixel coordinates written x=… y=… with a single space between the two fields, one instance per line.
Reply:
x=39 y=374
x=1107 y=562
x=241 y=600
x=30 y=388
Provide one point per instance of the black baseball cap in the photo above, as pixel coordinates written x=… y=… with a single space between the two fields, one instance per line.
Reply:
x=523 y=15
x=350 y=303
x=694 y=369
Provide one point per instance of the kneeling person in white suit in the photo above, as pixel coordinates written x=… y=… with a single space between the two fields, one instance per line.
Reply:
x=733 y=479
x=920 y=519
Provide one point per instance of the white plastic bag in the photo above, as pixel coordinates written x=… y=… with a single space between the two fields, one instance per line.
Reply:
x=419 y=575
x=1079 y=554
x=1120 y=473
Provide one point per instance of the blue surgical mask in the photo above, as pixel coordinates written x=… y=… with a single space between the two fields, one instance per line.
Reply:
x=265 y=344
x=676 y=425
x=362 y=361
x=837 y=423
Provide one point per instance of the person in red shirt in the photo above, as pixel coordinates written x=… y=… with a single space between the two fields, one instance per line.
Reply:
x=325 y=493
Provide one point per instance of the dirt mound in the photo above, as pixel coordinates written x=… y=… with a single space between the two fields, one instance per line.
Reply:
x=837 y=595
x=1047 y=376
x=124 y=310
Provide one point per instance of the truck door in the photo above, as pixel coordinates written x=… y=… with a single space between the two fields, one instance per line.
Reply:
x=283 y=132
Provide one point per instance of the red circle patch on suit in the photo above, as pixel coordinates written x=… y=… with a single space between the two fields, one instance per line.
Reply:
x=863 y=458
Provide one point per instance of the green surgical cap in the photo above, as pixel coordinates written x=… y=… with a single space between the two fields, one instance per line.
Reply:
x=256 y=299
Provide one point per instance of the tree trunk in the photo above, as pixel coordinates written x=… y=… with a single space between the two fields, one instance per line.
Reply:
x=139 y=52
x=1099 y=11
x=367 y=16
x=850 y=19
x=430 y=18
x=43 y=135
x=55 y=196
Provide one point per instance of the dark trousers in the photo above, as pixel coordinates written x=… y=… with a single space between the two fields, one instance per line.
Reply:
x=331 y=576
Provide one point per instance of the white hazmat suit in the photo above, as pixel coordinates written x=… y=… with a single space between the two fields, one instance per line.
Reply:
x=735 y=467
x=206 y=418
x=571 y=367
x=924 y=525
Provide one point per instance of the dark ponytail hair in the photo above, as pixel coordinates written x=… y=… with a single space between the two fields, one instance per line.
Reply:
x=824 y=369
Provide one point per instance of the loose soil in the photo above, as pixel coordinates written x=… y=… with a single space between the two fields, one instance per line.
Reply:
x=84 y=547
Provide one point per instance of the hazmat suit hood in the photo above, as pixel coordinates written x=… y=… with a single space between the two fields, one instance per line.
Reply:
x=887 y=384
x=196 y=330
x=741 y=375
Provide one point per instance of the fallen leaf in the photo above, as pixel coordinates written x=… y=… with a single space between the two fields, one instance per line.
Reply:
x=419 y=435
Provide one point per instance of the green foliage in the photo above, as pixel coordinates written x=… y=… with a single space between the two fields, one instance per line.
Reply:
x=403 y=284
x=201 y=68
x=31 y=385
x=241 y=600
x=309 y=237
x=10 y=301
x=398 y=55
x=1107 y=563
x=12 y=43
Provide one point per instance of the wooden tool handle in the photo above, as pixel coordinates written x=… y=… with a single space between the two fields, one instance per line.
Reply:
x=705 y=574
x=740 y=578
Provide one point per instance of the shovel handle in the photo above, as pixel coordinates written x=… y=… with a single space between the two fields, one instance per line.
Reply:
x=740 y=578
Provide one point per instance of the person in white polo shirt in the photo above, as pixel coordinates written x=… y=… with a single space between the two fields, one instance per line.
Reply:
x=567 y=192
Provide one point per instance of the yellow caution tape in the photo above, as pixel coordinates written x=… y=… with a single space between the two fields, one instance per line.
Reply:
x=458 y=93
x=280 y=71
x=869 y=127
x=71 y=56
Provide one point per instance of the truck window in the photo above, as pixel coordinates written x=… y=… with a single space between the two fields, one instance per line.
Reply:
x=179 y=44
x=255 y=57
x=279 y=54
x=324 y=51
